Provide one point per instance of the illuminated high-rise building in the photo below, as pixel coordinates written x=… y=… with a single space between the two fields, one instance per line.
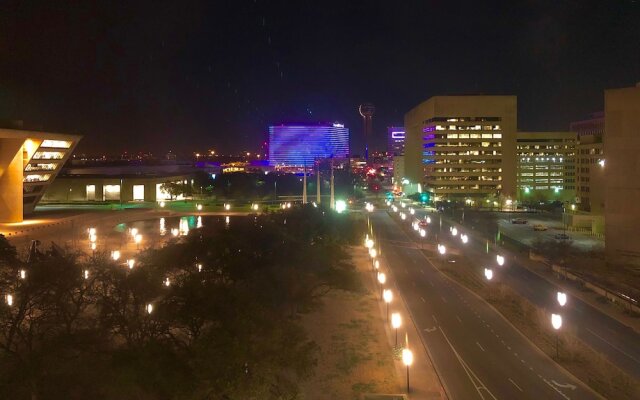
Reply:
x=299 y=145
x=395 y=137
x=463 y=147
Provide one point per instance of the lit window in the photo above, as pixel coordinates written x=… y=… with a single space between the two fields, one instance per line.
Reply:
x=40 y=167
x=440 y=128
x=37 y=178
x=452 y=127
x=497 y=135
x=111 y=192
x=57 y=144
x=48 y=155
x=452 y=136
x=486 y=136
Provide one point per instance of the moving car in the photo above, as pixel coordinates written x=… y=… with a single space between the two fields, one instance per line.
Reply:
x=519 y=221
x=562 y=236
x=539 y=227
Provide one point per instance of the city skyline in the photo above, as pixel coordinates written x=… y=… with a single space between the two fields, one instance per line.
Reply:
x=219 y=75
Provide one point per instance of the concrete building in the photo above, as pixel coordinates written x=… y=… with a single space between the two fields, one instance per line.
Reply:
x=622 y=173
x=29 y=162
x=395 y=137
x=119 y=183
x=589 y=174
x=463 y=147
x=546 y=166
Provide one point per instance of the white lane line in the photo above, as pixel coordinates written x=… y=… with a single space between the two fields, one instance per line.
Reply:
x=443 y=299
x=434 y=319
x=421 y=270
x=612 y=345
x=479 y=345
x=516 y=385
x=431 y=283
x=423 y=300
x=555 y=388
x=459 y=319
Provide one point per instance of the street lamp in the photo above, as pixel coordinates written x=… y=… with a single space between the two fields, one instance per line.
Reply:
x=396 y=322
x=556 y=322
x=428 y=220
x=488 y=273
x=23 y=274
x=464 y=238
x=115 y=255
x=382 y=278
x=138 y=238
x=373 y=252
x=149 y=308
x=442 y=249
x=9 y=299
x=86 y=274
x=199 y=267
x=562 y=298
x=387 y=295
x=454 y=231
x=376 y=264
x=199 y=207
x=131 y=263
x=167 y=282
x=227 y=206
x=500 y=260
x=407 y=359
x=423 y=233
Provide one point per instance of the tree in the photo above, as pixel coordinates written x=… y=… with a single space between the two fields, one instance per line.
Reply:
x=174 y=189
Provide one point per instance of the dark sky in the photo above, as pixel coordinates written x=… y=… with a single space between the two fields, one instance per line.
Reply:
x=188 y=75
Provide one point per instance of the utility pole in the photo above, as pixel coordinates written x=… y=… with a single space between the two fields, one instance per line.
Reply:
x=318 y=184
x=332 y=201
x=304 y=186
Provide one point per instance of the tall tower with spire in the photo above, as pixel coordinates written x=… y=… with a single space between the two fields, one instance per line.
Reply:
x=367 y=110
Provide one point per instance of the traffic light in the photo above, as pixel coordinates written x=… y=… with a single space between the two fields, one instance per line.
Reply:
x=424 y=197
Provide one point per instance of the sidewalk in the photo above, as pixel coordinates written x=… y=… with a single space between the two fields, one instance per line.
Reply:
x=423 y=379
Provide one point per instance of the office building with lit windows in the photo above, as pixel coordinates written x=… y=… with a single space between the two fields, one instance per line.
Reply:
x=395 y=137
x=590 y=152
x=546 y=166
x=300 y=145
x=622 y=173
x=29 y=162
x=463 y=147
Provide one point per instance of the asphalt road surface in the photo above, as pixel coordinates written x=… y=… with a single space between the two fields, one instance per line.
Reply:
x=617 y=342
x=477 y=353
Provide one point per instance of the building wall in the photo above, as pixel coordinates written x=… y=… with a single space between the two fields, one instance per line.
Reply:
x=463 y=146
x=74 y=189
x=622 y=171
x=589 y=174
x=546 y=166
x=29 y=162
x=398 y=169
x=395 y=137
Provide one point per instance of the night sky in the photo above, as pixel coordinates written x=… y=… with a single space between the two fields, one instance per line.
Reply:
x=185 y=75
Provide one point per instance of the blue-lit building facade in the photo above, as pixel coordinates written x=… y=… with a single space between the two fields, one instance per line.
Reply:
x=395 y=145
x=298 y=145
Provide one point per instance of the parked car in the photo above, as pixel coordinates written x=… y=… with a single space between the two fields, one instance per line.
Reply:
x=519 y=221
x=562 y=236
x=539 y=227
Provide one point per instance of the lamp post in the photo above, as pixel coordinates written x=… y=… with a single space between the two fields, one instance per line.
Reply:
x=387 y=295
x=562 y=298
x=407 y=359
x=488 y=273
x=500 y=260
x=556 y=322
x=396 y=322
x=138 y=239
x=382 y=278
x=423 y=234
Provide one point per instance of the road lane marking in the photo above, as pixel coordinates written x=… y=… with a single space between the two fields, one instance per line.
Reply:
x=434 y=319
x=556 y=389
x=430 y=283
x=459 y=319
x=612 y=345
x=429 y=330
x=443 y=299
x=422 y=270
x=514 y=384
x=477 y=383
x=479 y=345
x=423 y=300
x=565 y=385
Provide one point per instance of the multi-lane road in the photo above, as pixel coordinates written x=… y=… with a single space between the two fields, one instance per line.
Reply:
x=477 y=353
x=617 y=342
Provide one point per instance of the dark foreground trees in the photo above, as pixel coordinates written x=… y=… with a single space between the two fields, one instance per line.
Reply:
x=211 y=316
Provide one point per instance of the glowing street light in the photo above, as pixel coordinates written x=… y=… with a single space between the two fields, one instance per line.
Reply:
x=199 y=207
x=423 y=233
x=500 y=260
x=488 y=273
x=115 y=255
x=93 y=247
x=9 y=300
x=403 y=216
x=562 y=298
x=255 y=207
x=556 y=322
x=382 y=278
x=138 y=238
x=227 y=206
x=134 y=232
x=92 y=231
x=23 y=274
x=428 y=220
x=373 y=253
x=454 y=231
x=131 y=263
x=376 y=264
x=199 y=267
x=341 y=206
x=407 y=359
x=387 y=296
x=396 y=322
x=162 y=204
x=93 y=237
x=149 y=308
x=442 y=249
x=167 y=282
x=412 y=211
x=86 y=274
x=464 y=238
